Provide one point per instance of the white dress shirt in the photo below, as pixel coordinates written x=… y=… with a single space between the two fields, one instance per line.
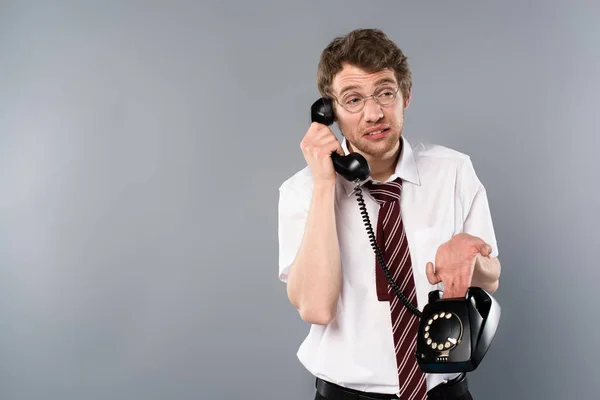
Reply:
x=442 y=196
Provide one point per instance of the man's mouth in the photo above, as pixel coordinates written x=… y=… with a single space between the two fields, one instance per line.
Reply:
x=377 y=134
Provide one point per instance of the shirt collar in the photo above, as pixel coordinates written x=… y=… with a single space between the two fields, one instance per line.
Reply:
x=406 y=167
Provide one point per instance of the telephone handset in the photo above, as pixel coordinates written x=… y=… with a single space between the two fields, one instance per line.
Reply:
x=354 y=167
x=454 y=334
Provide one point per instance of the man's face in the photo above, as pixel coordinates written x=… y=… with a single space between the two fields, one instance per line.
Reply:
x=349 y=85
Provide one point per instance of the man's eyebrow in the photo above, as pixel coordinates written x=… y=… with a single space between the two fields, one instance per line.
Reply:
x=377 y=83
x=351 y=87
x=385 y=80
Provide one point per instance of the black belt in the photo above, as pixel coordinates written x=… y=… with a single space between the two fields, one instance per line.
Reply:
x=445 y=391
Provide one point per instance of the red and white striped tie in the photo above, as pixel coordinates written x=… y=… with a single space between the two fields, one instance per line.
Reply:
x=391 y=238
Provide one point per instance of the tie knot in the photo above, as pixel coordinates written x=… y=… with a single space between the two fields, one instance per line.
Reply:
x=385 y=192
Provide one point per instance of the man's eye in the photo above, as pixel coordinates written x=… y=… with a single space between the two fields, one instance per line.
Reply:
x=386 y=93
x=351 y=100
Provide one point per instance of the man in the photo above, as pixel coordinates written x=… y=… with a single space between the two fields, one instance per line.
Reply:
x=362 y=339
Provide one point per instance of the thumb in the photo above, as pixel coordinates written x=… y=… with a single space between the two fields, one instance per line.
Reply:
x=432 y=277
x=485 y=249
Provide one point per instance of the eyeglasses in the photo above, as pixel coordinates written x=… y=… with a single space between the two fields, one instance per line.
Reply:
x=355 y=102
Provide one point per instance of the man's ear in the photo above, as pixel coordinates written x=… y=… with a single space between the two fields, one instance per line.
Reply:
x=407 y=100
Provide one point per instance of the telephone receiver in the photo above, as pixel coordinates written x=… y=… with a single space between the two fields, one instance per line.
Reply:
x=454 y=334
x=353 y=167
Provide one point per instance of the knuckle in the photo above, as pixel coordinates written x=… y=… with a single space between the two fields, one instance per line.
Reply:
x=316 y=126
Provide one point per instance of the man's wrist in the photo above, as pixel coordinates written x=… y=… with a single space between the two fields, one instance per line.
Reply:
x=485 y=274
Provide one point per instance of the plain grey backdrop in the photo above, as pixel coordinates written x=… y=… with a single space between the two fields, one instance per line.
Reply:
x=142 y=145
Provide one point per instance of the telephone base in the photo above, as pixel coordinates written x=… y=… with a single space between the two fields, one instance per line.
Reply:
x=455 y=334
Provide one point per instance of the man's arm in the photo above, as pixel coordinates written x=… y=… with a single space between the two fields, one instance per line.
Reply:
x=315 y=278
x=478 y=222
x=469 y=258
x=315 y=275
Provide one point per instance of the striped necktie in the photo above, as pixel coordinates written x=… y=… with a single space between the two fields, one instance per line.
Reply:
x=391 y=239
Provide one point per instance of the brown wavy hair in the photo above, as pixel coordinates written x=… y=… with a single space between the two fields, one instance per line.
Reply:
x=368 y=49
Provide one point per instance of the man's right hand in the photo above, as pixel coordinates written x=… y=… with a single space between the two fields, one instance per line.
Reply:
x=317 y=146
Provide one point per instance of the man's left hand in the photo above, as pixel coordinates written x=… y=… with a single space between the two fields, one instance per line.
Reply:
x=455 y=263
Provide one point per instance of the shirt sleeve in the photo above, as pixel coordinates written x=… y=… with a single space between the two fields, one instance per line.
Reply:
x=292 y=216
x=478 y=218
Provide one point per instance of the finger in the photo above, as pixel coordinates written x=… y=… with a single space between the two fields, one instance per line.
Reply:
x=485 y=249
x=481 y=246
x=333 y=145
x=317 y=126
x=432 y=277
x=332 y=148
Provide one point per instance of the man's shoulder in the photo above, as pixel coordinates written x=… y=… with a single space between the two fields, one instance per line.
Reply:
x=435 y=152
x=438 y=156
x=295 y=192
x=437 y=161
x=300 y=181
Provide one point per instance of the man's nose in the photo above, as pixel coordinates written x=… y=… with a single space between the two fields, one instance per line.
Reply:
x=372 y=111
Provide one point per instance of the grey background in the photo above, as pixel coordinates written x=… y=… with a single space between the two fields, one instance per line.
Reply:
x=142 y=145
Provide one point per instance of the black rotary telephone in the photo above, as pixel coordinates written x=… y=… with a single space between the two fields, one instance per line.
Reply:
x=454 y=334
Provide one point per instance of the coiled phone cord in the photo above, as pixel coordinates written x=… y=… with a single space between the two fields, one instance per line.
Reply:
x=373 y=240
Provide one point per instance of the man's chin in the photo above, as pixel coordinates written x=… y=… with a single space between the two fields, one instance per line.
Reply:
x=377 y=148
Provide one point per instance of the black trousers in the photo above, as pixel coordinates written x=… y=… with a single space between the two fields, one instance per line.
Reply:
x=454 y=390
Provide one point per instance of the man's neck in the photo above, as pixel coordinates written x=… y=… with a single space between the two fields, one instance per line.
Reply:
x=382 y=168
